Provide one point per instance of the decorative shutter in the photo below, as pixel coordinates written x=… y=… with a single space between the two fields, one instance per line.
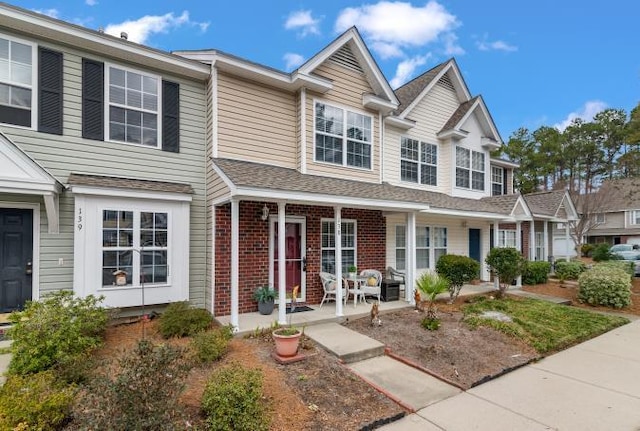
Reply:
x=505 y=189
x=92 y=99
x=170 y=117
x=49 y=91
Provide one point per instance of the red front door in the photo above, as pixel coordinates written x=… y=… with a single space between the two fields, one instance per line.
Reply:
x=294 y=258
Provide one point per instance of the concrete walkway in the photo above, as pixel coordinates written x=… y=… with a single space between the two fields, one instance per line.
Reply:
x=5 y=358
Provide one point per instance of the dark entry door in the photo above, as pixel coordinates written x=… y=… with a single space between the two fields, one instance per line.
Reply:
x=474 y=244
x=16 y=257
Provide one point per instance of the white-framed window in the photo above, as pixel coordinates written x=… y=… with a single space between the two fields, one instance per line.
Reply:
x=507 y=238
x=439 y=242
x=497 y=181
x=401 y=247
x=328 y=245
x=635 y=217
x=469 y=169
x=133 y=105
x=418 y=162
x=539 y=245
x=600 y=218
x=559 y=225
x=342 y=137
x=422 y=247
x=17 y=81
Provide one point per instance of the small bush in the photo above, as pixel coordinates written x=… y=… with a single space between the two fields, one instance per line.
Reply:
x=232 y=400
x=458 y=270
x=569 y=270
x=209 y=346
x=605 y=285
x=536 y=273
x=142 y=396
x=625 y=265
x=587 y=249
x=55 y=331
x=181 y=320
x=507 y=263
x=34 y=402
x=432 y=284
x=430 y=324
x=602 y=252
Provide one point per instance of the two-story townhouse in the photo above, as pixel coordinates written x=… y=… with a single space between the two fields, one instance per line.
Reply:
x=352 y=172
x=102 y=166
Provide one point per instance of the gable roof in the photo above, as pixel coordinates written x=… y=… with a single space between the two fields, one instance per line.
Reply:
x=615 y=195
x=551 y=203
x=408 y=92
x=465 y=110
x=456 y=118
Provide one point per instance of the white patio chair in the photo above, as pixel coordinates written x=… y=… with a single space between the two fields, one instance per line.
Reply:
x=373 y=285
x=329 y=287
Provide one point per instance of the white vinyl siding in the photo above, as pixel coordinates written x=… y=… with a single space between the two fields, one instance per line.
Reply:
x=328 y=245
x=418 y=162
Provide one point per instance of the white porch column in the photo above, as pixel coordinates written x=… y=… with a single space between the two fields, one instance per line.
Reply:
x=337 y=217
x=410 y=261
x=235 y=249
x=519 y=247
x=545 y=241
x=532 y=240
x=282 y=268
x=567 y=240
x=496 y=242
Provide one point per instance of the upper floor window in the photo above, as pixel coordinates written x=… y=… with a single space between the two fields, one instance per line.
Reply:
x=635 y=217
x=133 y=107
x=418 y=162
x=342 y=137
x=16 y=82
x=497 y=181
x=600 y=218
x=469 y=169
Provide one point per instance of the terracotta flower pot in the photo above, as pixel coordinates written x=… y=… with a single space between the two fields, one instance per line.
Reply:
x=286 y=345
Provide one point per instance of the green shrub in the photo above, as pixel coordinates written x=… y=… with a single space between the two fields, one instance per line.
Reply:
x=55 y=331
x=605 y=285
x=536 y=273
x=507 y=264
x=432 y=284
x=142 y=396
x=34 y=402
x=458 y=270
x=232 y=400
x=181 y=320
x=209 y=346
x=430 y=324
x=625 y=265
x=602 y=252
x=587 y=249
x=569 y=270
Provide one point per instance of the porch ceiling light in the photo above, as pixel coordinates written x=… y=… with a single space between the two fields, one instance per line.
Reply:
x=265 y=213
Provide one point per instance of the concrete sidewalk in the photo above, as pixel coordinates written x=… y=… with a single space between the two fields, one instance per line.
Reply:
x=592 y=386
x=5 y=358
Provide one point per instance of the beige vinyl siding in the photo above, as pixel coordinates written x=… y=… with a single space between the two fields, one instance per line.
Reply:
x=509 y=184
x=347 y=91
x=430 y=115
x=61 y=155
x=255 y=122
x=457 y=235
x=299 y=131
x=613 y=220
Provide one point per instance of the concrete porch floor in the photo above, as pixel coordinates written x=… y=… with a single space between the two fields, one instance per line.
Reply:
x=249 y=322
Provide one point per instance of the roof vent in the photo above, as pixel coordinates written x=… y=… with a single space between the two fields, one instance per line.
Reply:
x=124 y=35
x=344 y=57
x=445 y=81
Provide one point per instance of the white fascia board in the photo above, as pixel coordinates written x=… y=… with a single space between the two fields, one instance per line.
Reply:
x=467 y=214
x=400 y=123
x=489 y=120
x=315 y=83
x=127 y=193
x=453 y=134
x=461 y=88
x=520 y=201
x=574 y=211
x=225 y=178
x=29 y=187
x=504 y=163
x=62 y=32
x=250 y=193
x=372 y=101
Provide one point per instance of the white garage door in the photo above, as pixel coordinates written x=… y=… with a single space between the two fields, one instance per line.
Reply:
x=562 y=249
x=633 y=240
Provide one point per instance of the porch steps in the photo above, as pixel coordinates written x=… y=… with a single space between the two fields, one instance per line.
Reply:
x=553 y=299
x=349 y=346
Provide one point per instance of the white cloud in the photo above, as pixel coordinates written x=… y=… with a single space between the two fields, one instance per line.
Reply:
x=91 y=2
x=586 y=113
x=406 y=68
x=303 y=21
x=451 y=46
x=497 y=45
x=387 y=50
x=53 y=13
x=292 y=60
x=139 y=30
x=392 y=26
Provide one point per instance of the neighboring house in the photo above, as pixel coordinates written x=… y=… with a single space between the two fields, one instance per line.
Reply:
x=351 y=172
x=102 y=166
x=616 y=220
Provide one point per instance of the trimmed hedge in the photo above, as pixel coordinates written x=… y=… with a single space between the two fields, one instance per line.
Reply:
x=569 y=270
x=536 y=273
x=605 y=285
x=625 y=265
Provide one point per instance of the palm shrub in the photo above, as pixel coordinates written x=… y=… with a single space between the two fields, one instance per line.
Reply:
x=459 y=270
x=536 y=273
x=507 y=264
x=432 y=285
x=605 y=285
x=58 y=330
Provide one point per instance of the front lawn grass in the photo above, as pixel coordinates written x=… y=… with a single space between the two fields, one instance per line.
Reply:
x=543 y=325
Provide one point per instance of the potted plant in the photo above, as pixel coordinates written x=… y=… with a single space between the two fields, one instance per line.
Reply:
x=287 y=339
x=266 y=299
x=352 y=270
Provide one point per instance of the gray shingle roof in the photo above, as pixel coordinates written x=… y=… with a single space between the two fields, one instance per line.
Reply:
x=614 y=195
x=407 y=93
x=545 y=203
x=455 y=118
x=261 y=176
x=502 y=204
x=128 y=183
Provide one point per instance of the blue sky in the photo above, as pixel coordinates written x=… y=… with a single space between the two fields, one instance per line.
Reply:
x=535 y=62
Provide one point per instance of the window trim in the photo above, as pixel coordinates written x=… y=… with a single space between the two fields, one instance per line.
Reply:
x=501 y=183
x=419 y=162
x=344 y=137
x=35 y=65
x=470 y=169
x=502 y=238
x=404 y=248
x=635 y=217
x=355 y=239
x=107 y=104
x=600 y=218
x=431 y=239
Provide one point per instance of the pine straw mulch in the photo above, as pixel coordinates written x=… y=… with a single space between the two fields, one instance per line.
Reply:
x=315 y=394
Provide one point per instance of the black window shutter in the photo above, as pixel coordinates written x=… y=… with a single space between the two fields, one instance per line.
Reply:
x=92 y=99
x=49 y=91
x=504 y=181
x=170 y=116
